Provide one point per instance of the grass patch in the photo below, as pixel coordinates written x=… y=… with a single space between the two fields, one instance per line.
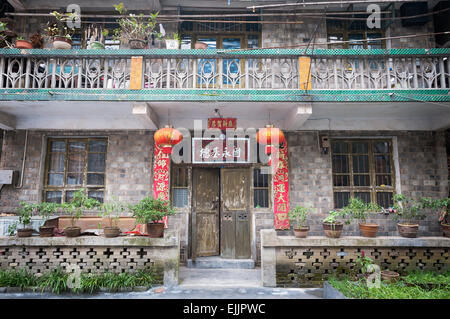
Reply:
x=416 y=285
x=57 y=279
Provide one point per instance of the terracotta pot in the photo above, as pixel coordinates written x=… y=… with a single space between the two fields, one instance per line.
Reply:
x=389 y=276
x=445 y=230
x=408 y=231
x=155 y=230
x=333 y=230
x=46 y=231
x=200 y=45
x=23 y=44
x=110 y=232
x=24 y=232
x=301 y=232
x=62 y=43
x=369 y=229
x=137 y=43
x=72 y=231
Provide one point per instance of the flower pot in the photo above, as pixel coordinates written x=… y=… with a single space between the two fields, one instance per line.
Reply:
x=333 y=230
x=95 y=45
x=62 y=43
x=137 y=44
x=155 y=230
x=200 y=45
x=389 y=276
x=46 y=231
x=408 y=231
x=23 y=44
x=172 y=44
x=111 y=232
x=445 y=230
x=72 y=231
x=301 y=232
x=24 y=232
x=369 y=229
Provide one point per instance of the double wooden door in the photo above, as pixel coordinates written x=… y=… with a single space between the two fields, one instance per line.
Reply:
x=220 y=213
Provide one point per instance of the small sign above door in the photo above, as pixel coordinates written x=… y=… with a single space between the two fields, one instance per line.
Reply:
x=215 y=150
x=222 y=123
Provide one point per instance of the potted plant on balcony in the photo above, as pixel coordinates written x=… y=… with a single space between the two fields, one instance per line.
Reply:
x=37 y=41
x=75 y=209
x=151 y=212
x=23 y=44
x=46 y=210
x=61 y=34
x=357 y=209
x=300 y=214
x=135 y=28
x=111 y=210
x=95 y=37
x=24 y=212
x=332 y=226
x=173 y=42
x=407 y=212
x=441 y=207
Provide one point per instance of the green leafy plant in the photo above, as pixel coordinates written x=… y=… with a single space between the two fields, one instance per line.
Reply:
x=60 y=29
x=357 y=209
x=111 y=210
x=409 y=211
x=299 y=214
x=334 y=217
x=151 y=210
x=441 y=206
x=134 y=27
x=19 y=38
x=25 y=212
x=46 y=210
x=174 y=36
x=79 y=202
x=363 y=262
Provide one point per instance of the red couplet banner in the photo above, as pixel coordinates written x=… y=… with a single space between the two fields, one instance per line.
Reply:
x=161 y=167
x=281 y=187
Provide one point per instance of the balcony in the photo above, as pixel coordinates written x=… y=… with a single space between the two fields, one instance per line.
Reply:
x=283 y=75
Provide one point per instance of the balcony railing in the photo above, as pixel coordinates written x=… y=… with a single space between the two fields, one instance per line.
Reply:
x=273 y=69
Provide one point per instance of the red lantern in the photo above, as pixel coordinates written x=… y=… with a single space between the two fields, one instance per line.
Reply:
x=166 y=138
x=270 y=136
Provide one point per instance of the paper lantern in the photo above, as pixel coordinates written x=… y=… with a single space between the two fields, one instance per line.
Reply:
x=167 y=137
x=271 y=137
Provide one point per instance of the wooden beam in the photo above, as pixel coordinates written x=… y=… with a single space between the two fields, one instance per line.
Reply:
x=17 y=5
x=146 y=115
x=298 y=116
x=7 y=121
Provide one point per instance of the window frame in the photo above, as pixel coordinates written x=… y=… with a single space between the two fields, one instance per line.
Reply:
x=345 y=31
x=253 y=188
x=65 y=187
x=373 y=189
x=188 y=185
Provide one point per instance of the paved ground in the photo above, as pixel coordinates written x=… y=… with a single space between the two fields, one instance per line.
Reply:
x=202 y=284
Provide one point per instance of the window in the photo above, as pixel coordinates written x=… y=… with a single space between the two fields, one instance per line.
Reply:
x=260 y=188
x=362 y=169
x=354 y=32
x=180 y=188
x=73 y=164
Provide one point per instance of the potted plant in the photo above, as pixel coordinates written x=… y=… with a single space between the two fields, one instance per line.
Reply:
x=357 y=209
x=75 y=209
x=299 y=214
x=61 y=34
x=24 y=212
x=331 y=224
x=173 y=42
x=46 y=210
x=37 y=41
x=95 y=37
x=407 y=212
x=23 y=44
x=135 y=28
x=151 y=211
x=441 y=206
x=111 y=211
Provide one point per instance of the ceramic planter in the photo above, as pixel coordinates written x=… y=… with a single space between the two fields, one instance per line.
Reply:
x=111 y=232
x=23 y=44
x=408 y=231
x=46 y=231
x=445 y=230
x=95 y=45
x=301 y=232
x=24 y=232
x=62 y=43
x=369 y=229
x=389 y=276
x=172 y=44
x=72 y=231
x=333 y=230
x=155 y=230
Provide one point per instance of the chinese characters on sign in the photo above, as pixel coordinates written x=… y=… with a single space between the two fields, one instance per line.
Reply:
x=212 y=150
x=281 y=188
x=161 y=168
x=222 y=123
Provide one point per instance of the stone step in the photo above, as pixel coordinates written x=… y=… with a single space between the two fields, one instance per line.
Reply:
x=220 y=263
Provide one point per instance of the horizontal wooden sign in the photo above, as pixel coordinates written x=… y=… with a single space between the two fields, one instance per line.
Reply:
x=215 y=150
x=222 y=123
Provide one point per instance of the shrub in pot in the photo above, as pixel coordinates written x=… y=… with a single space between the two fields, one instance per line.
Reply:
x=332 y=226
x=46 y=210
x=357 y=209
x=59 y=31
x=111 y=210
x=95 y=37
x=24 y=212
x=173 y=42
x=441 y=207
x=407 y=214
x=151 y=211
x=21 y=43
x=135 y=28
x=299 y=215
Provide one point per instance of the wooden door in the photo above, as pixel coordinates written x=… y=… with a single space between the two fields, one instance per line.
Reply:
x=205 y=212
x=235 y=216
